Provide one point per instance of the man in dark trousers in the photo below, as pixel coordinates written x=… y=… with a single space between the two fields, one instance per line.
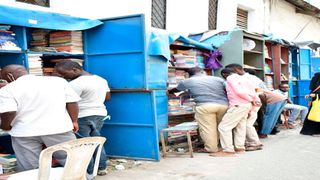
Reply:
x=94 y=91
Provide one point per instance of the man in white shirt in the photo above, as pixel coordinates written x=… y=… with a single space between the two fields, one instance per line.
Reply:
x=93 y=91
x=37 y=111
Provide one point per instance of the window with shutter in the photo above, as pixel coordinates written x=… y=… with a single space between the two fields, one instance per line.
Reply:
x=44 y=3
x=242 y=18
x=158 y=17
x=213 y=5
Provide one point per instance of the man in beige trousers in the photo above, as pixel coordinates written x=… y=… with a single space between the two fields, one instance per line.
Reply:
x=242 y=97
x=211 y=104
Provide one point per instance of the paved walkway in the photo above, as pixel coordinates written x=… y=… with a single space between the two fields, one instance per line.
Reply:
x=286 y=156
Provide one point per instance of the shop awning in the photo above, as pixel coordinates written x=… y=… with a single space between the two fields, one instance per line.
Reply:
x=159 y=43
x=189 y=41
x=41 y=19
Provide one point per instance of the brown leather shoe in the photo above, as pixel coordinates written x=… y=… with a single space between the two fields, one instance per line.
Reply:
x=223 y=154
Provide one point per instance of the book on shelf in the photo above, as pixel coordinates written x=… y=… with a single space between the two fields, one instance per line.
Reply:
x=8 y=41
x=39 y=38
x=66 y=41
x=35 y=64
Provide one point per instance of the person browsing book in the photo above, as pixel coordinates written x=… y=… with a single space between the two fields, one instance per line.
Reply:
x=211 y=104
x=37 y=111
x=94 y=91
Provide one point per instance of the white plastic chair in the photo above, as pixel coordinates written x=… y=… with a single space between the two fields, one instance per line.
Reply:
x=79 y=153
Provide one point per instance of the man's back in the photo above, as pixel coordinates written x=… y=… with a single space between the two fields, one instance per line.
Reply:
x=239 y=90
x=92 y=89
x=205 y=89
x=40 y=105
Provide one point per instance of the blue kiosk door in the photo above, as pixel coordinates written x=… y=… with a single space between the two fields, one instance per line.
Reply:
x=115 y=50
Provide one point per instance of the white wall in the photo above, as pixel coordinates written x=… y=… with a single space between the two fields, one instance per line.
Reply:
x=93 y=8
x=103 y=8
x=187 y=16
x=24 y=5
x=227 y=14
x=191 y=16
x=286 y=23
x=278 y=18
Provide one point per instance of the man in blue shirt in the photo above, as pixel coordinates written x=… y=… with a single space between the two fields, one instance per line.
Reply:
x=211 y=104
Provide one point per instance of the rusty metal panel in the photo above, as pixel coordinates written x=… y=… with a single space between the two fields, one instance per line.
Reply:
x=158 y=17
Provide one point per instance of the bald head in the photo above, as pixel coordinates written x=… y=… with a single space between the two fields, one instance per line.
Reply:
x=13 y=72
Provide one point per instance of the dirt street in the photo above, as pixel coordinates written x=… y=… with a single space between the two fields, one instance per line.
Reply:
x=286 y=156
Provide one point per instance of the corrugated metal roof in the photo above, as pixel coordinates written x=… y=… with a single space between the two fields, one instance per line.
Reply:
x=304 y=7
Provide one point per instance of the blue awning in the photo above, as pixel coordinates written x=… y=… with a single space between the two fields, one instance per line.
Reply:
x=186 y=40
x=46 y=20
x=159 y=43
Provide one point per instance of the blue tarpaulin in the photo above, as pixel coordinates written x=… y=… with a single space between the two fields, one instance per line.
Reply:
x=186 y=40
x=159 y=43
x=46 y=20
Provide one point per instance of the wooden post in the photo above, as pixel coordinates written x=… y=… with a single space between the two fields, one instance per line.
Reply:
x=190 y=144
x=163 y=143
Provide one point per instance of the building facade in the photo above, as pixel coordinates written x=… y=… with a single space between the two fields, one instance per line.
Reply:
x=282 y=18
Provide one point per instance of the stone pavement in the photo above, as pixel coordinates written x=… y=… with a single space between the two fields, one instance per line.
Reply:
x=286 y=156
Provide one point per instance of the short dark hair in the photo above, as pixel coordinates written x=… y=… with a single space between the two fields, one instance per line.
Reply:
x=194 y=70
x=67 y=64
x=226 y=71
x=234 y=66
x=250 y=71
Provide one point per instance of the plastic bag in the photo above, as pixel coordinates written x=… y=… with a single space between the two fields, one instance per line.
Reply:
x=213 y=60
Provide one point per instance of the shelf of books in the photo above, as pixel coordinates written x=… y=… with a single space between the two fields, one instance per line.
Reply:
x=39 y=49
x=269 y=69
x=181 y=105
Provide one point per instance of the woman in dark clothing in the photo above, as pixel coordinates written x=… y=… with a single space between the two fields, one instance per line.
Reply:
x=311 y=127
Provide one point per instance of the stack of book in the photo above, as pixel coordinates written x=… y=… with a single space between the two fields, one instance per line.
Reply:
x=35 y=64
x=172 y=80
x=67 y=41
x=8 y=163
x=39 y=40
x=180 y=105
x=185 y=60
x=188 y=58
x=174 y=105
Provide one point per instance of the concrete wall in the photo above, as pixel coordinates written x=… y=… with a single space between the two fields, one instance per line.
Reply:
x=286 y=23
x=93 y=8
x=191 y=16
x=227 y=14
x=270 y=16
